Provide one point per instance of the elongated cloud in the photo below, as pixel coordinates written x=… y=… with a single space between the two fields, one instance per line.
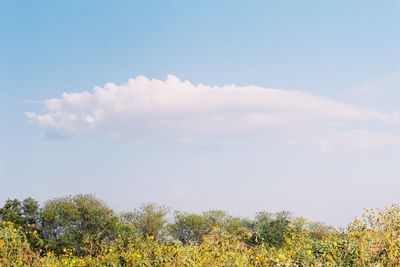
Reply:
x=179 y=109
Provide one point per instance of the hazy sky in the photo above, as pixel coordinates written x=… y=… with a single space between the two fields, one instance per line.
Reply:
x=241 y=106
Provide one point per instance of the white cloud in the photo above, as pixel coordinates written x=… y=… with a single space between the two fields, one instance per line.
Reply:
x=180 y=110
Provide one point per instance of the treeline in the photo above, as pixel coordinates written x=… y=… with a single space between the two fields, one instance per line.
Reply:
x=83 y=223
x=82 y=230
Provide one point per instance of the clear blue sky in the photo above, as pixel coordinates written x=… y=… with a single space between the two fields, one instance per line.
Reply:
x=343 y=51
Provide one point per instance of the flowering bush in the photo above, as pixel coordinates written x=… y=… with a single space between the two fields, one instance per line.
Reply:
x=14 y=248
x=372 y=240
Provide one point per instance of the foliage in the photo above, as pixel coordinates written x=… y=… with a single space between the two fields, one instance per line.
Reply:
x=188 y=228
x=14 y=247
x=270 y=228
x=80 y=223
x=20 y=213
x=149 y=220
x=146 y=238
x=24 y=215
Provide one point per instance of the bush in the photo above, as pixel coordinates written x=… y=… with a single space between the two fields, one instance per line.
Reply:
x=83 y=231
x=14 y=247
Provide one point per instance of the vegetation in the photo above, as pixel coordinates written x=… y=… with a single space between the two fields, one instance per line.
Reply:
x=83 y=231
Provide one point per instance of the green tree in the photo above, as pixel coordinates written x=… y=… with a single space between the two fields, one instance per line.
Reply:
x=24 y=214
x=215 y=218
x=228 y=223
x=149 y=220
x=191 y=228
x=270 y=228
x=20 y=213
x=12 y=212
x=188 y=227
x=80 y=222
x=30 y=211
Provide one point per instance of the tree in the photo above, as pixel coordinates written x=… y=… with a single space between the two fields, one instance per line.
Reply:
x=30 y=211
x=188 y=227
x=149 y=220
x=24 y=214
x=12 y=212
x=319 y=230
x=270 y=228
x=215 y=218
x=81 y=222
x=191 y=228
x=20 y=213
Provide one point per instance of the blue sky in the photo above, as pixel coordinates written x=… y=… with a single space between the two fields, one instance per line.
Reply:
x=339 y=57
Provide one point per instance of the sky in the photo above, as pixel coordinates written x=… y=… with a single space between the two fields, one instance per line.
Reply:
x=197 y=105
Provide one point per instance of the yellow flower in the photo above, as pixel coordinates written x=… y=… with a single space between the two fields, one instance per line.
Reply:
x=281 y=256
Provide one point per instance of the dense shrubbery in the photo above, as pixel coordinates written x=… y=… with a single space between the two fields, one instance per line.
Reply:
x=83 y=231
